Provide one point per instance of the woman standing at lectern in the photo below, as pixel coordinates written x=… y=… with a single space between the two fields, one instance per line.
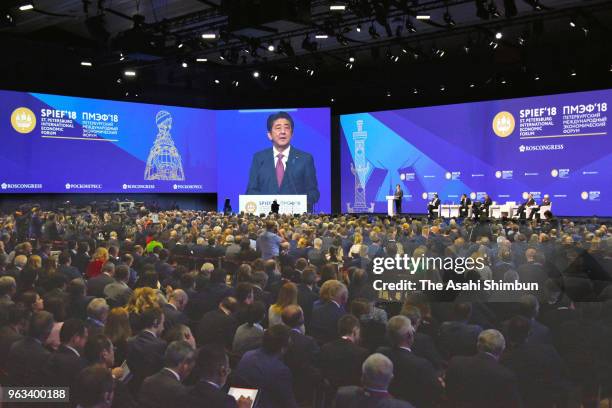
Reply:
x=398 y=195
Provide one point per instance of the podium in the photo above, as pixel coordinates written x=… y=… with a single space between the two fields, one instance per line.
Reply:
x=260 y=203
x=390 y=205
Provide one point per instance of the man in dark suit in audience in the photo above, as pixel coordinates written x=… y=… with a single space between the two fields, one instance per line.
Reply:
x=95 y=286
x=423 y=346
x=118 y=293
x=17 y=317
x=177 y=301
x=82 y=258
x=65 y=267
x=458 y=337
x=541 y=373
x=308 y=293
x=301 y=354
x=479 y=381
x=214 y=369
x=327 y=311
x=414 y=378
x=340 y=360
x=145 y=351
x=77 y=306
x=218 y=326
x=529 y=308
x=377 y=372
x=264 y=369
x=97 y=313
x=165 y=389
x=66 y=362
x=28 y=356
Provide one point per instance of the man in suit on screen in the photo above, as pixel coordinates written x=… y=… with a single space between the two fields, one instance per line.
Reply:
x=283 y=169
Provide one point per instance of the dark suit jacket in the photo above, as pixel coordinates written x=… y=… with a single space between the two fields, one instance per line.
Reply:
x=216 y=328
x=162 y=390
x=356 y=397
x=70 y=272
x=95 y=286
x=340 y=362
x=481 y=382
x=63 y=367
x=306 y=299
x=204 y=394
x=145 y=357
x=414 y=378
x=270 y=375
x=458 y=338
x=300 y=360
x=542 y=375
x=8 y=336
x=80 y=261
x=324 y=321
x=300 y=175
x=173 y=317
x=425 y=347
x=25 y=361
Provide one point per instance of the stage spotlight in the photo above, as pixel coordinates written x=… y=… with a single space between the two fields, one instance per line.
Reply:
x=493 y=12
x=129 y=73
x=510 y=8
x=373 y=33
x=481 y=9
x=472 y=85
x=536 y=77
x=181 y=45
x=255 y=74
x=217 y=81
x=332 y=100
x=348 y=65
x=209 y=36
x=321 y=36
x=26 y=7
x=448 y=19
x=201 y=59
x=585 y=30
x=358 y=28
x=351 y=59
x=493 y=45
x=235 y=83
x=521 y=41
x=423 y=17
x=388 y=93
x=573 y=73
x=415 y=91
x=442 y=88
x=503 y=81
x=572 y=23
x=310 y=72
x=337 y=7
x=86 y=63
x=271 y=48
x=499 y=35
x=274 y=77
x=6 y=20
x=184 y=65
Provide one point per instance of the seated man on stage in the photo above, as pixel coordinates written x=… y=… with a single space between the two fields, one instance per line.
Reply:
x=536 y=210
x=482 y=209
x=465 y=205
x=531 y=204
x=434 y=204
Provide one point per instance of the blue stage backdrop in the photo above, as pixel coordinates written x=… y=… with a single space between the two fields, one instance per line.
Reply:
x=242 y=133
x=557 y=145
x=56 y=144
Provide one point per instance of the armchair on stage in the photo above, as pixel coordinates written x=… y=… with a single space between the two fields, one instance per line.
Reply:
x=496 y=210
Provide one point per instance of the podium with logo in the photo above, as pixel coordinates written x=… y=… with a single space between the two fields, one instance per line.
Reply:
x=260 y=204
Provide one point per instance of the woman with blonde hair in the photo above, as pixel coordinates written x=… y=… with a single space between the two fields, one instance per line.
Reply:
x=142 y=299
x=286 y=296
x=100 y=257
x=118 y=330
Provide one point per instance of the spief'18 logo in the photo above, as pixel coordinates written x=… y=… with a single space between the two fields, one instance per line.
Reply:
x=23 y=120
x=250 y=207
x=503 y=124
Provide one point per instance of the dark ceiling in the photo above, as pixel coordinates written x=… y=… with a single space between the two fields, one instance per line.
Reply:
x=377 y=54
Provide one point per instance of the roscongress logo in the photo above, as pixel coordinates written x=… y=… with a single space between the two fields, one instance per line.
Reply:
x=138 y=186
x=539 y=148
x=21 y=186
x=503 y=124
x=23 y=120
x=187 y=187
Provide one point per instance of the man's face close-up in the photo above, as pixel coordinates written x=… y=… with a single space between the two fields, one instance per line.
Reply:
x=281 y=133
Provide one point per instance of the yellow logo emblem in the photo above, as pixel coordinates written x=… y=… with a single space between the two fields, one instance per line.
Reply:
x=503 y=124
x=23 y=120
x=250 y=207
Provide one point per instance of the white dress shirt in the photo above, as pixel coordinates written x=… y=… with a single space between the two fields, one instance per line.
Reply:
x=285 y=154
